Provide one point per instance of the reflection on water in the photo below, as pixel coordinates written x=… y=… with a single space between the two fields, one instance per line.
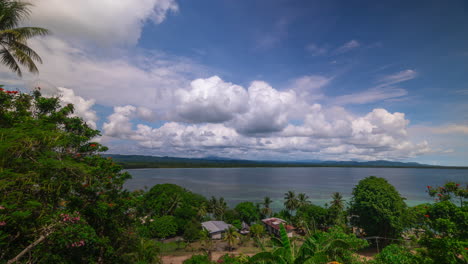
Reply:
x=252 y=184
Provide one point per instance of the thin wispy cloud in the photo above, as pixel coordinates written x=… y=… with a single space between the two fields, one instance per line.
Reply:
x=451 y=129
x=272 y=38
x=383 y=91
x=348 y=46
x=316 y=50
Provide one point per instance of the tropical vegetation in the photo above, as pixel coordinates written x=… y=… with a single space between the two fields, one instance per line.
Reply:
x=61 y=201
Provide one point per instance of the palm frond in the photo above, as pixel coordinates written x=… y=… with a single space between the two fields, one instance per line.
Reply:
x=27 y=32
x=28 y=51
x=12 y=12
x=7 y=59
x=25 y=60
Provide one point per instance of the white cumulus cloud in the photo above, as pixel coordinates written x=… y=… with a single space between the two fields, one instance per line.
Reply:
x=82 y=107
x=103 y=21
x=211 y=100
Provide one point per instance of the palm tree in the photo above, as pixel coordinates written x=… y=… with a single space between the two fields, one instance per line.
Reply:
x=146 y=252
x=175 y=201
x=266 y=210
x=290 y=201
x=231 y=236
x=211 y=205
x=338 y=201
x=220 y=208
x=302 y=200
x=14 y=50
x=217 y=207
x=336 y=210
x=202 y=211
x=316 y=249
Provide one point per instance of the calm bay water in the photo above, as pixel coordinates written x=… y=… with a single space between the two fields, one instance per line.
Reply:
x=252 y=184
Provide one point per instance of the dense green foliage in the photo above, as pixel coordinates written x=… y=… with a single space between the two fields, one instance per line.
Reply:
x=170 y=207
x=321 y=247
x=397 y=254
x=378 y=207
x=248 y=212
x=57 y=195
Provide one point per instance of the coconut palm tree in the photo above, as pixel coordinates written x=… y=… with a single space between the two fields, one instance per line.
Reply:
x=14 y=49
x=211 y=205
x=338 y=201
x=175 y=202
x=231 y=236
x=220 y=209
x=266 y=210
x=290 y=201
x=302 y=200
x=336 y=209
x=202 y=210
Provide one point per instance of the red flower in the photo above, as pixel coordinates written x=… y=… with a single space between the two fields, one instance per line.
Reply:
x=457 y=184
x=428 y=187
x=439 y=194
x=92 y=145
x=1 y=89
x=426 y=216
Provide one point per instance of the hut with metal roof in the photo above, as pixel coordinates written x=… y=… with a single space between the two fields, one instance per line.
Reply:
x=215 y=228
x=273 y=226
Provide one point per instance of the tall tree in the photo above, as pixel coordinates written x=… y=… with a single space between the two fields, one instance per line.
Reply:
x=336 y=209
x=290 y=201
x=60 y=201
x=302 y=200
x=379 y=207
x=266 y=210
x=14 y=49
x=231 y=236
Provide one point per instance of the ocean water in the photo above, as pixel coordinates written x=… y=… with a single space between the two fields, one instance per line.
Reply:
x=252 y=184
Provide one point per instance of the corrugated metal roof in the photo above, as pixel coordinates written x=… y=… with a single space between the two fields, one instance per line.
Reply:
x=215 y=226
x=275 y=223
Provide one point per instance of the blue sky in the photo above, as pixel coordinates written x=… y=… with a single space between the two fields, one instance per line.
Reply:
x=283 y=80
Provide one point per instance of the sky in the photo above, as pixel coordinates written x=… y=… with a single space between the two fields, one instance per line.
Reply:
x=258 y=79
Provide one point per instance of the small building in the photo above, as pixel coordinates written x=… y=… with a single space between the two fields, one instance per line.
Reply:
x=215 y=228
x=245 y=229
x=273 y=226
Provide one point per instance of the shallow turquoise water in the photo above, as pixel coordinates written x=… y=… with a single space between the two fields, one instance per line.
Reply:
x=252 y=184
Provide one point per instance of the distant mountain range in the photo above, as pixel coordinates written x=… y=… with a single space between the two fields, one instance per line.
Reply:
x=141 y=161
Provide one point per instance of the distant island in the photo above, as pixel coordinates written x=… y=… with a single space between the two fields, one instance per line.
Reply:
x=141 y=161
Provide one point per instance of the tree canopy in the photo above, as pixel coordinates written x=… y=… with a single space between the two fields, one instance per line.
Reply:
x=57 y=194
x=377 y=207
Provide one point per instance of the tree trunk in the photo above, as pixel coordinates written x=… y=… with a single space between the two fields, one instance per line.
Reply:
x=28 y=248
